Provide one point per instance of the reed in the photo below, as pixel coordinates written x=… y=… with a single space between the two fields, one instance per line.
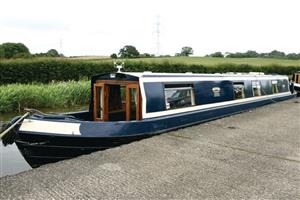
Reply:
x=15 y=97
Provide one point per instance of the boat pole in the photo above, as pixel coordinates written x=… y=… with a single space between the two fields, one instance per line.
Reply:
x=13 y=125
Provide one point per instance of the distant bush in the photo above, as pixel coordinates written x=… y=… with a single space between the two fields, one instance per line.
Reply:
x=114 y=56
x=272 y=54
x=216 y=55
x=146 y=55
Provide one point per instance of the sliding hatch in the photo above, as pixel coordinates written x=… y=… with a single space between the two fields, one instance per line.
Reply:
x=117 y=101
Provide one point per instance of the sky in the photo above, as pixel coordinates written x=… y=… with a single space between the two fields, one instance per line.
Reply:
x=102 y=27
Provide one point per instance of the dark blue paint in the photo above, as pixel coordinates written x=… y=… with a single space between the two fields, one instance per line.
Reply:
x=205 y=95
x=155 y=97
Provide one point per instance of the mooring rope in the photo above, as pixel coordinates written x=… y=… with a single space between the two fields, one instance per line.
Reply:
x=13 y=125
x=7 y=132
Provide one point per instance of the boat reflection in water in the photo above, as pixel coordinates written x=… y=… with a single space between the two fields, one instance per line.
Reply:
x=126 y=107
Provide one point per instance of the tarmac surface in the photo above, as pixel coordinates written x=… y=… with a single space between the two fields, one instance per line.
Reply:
x=253 y=155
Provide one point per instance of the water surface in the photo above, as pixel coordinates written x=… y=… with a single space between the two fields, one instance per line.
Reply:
x=11 y=160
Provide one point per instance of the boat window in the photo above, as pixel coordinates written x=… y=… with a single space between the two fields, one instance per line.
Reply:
x=274 y=87
x=179 y=97
x=283 y=85
x=256 y=88
x=239 y=90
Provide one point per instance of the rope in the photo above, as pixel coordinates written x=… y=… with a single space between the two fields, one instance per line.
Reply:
x=32 y=111
x=13 y=125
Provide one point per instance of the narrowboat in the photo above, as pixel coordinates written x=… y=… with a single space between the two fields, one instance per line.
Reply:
x=126 y=107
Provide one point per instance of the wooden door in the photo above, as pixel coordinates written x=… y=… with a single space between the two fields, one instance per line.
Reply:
x=133 y=102
x=99 y=101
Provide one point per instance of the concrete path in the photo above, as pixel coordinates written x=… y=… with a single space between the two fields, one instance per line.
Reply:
x=254 y=155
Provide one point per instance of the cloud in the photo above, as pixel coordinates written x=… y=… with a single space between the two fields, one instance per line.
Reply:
x=30 y=24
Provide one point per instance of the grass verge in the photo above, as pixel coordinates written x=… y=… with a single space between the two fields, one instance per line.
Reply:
x=14 y=97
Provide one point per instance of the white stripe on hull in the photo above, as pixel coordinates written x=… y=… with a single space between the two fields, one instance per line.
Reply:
x=297 y=85
x=30 y=125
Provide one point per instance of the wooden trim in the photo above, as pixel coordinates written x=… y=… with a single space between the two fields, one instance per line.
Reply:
x=95 y=101
x=141 y=106
x=127 y=103
x=116 y=82
x=105 y=90
x=138 y=101
x=105 y=103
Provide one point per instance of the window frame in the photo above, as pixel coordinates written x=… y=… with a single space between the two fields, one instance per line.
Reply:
x=275 y=82
x=256 y=85
x=177 y=87
x=243 y=89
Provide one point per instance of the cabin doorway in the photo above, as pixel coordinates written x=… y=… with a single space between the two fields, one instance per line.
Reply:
x=117 y=101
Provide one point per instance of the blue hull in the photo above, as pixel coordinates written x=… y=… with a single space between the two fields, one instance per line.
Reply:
x=42 y=148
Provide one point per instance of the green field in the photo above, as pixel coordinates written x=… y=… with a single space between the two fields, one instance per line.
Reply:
x=207 y=61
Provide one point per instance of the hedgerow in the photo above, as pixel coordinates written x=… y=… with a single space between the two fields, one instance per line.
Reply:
x=47 y=70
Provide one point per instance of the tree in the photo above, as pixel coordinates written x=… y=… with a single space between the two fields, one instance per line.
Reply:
x=129 y=51
x=251 y=54
x=293 y=56
x=186 y=51
x=1 y=52
x=276 y=54
x=217 y=55
x=9 y=50
x=146 y=55
x=114 y=56
x=52 y=53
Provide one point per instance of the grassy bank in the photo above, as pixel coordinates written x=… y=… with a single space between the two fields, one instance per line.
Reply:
x=14 y=97
x=208 y=61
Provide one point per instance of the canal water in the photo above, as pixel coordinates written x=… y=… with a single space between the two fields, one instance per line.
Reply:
x=11 y=160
